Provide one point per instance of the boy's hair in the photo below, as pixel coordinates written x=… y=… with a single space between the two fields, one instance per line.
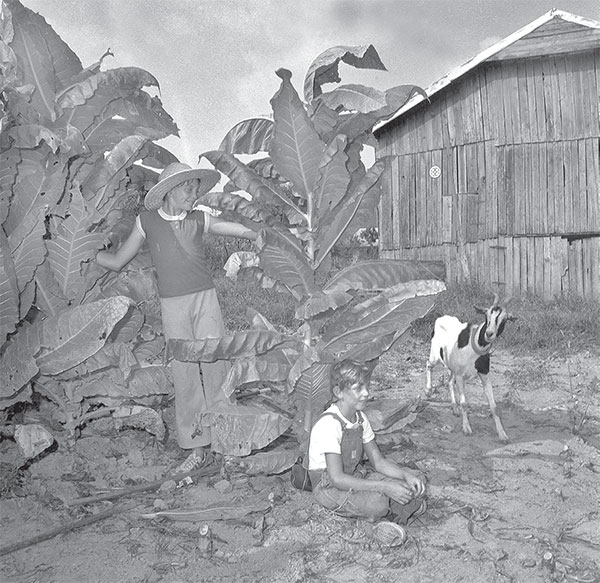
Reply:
x=347 y=373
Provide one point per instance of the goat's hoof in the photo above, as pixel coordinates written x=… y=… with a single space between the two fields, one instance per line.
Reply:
x=467 y=431
x=456 y=410
x=503 y=438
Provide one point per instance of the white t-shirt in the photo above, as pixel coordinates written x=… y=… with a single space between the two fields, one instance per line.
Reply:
x=326 y=437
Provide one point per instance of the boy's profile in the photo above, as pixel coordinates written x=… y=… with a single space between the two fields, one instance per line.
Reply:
x=337 y=443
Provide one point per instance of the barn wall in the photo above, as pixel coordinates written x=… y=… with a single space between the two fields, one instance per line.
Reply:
x=517 y=144
x=544 y=266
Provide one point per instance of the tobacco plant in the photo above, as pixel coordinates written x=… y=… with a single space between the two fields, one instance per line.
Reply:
x=306 y=163
x=69 y=139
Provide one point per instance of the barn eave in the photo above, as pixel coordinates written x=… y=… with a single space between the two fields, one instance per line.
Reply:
x=553 y=33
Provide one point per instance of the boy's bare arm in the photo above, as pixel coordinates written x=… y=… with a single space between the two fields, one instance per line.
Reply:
x=116 y=261
x=397 y=490
x=217 y=226
x=391 y=469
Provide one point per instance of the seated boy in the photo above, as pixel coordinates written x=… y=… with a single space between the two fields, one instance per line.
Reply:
x=337 y=442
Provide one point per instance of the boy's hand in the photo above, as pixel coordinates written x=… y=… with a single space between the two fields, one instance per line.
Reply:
x=416 y=484
x=399 y=491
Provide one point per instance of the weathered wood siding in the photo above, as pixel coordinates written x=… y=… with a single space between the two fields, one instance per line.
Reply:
x=517 y=143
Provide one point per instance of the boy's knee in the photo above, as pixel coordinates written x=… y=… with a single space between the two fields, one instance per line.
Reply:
x=377 y=506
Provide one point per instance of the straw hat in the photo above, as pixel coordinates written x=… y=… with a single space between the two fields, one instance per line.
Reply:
x=175 y=174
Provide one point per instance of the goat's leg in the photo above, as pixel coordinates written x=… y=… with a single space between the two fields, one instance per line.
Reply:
x=466 y=426
x=428 y=387
x=489 y=393
x=451 y=385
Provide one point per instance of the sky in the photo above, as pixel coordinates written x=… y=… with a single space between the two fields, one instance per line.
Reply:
x=215 y=60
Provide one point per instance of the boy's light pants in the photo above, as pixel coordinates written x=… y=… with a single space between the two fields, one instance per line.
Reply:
x=194 y=317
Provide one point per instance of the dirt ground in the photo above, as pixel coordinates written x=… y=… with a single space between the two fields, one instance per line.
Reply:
x=494 y=509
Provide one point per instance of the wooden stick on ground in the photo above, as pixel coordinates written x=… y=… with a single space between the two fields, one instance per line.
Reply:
x=65 y=528
x=202 y=472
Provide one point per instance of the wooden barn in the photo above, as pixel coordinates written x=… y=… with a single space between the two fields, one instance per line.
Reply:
x=498 y=174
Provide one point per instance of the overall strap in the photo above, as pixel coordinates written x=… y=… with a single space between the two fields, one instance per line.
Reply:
x=343 y=424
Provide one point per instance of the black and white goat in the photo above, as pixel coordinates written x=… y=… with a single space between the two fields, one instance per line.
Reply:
x=465 y=351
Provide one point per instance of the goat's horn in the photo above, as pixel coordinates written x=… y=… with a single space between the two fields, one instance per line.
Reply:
x=496 y=299
x=507 y=300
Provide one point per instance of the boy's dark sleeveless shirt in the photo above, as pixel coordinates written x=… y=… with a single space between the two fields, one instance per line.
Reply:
x=177 y=252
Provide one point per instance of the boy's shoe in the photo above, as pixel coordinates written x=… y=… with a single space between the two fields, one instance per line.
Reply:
x=407 y=513
x=194 y=461
x=422 y=509
x=389 y=534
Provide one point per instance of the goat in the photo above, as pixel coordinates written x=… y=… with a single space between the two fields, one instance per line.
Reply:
x=465 y=351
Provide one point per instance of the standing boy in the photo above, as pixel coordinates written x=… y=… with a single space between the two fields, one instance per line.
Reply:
x=188 y=299
x=337 y=443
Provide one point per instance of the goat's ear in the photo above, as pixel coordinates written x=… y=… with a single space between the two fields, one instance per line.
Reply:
x=480 y=310
x=511 y=318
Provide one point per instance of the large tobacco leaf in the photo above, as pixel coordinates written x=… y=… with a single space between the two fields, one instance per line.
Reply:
x=105 y=179
x=337 y=220
x=124 y=78
x=44 y=60
x=18 y=365
x=238 y=430
x=238 y=345
x=313 y=391
x=75 y=334
x=242 y=207
x=49 y=297
x=324 y=69
x=110 y=355
x=27 y=247
x=9 y=290
x=268 y=462
x=40 y=184
x=71 y=244
x=379 y=274
x=261 y=189
x=8 y=174
x=296 y=148
x=390 y=312
x=248 y=137
x=143 y=382
x=333 y=179
x=273 y=368
x=286 y=262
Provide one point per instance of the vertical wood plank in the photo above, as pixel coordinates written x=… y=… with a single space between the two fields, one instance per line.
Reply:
x=551 y=182
x=437 y=160
x=543 y=185
x=595 y=265
x=522 y=161
x=522 y=241
x=539 y=260
x=569 y=163
x=555 y=266
x=592 y=90
x=559 y=188
x=523 y=98
x=547 y=269
x=539 y=107
x=387 y=198
x=567 y=97
x=532 y=103
x=412 y=193
x=516 y=266
x=508 y=112
x=531 y=265
x=592 y=156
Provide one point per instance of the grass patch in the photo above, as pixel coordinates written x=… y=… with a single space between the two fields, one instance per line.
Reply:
x=236 y=296
x=558 y=326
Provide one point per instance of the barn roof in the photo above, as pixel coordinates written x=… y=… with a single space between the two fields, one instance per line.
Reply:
x=552 y=33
